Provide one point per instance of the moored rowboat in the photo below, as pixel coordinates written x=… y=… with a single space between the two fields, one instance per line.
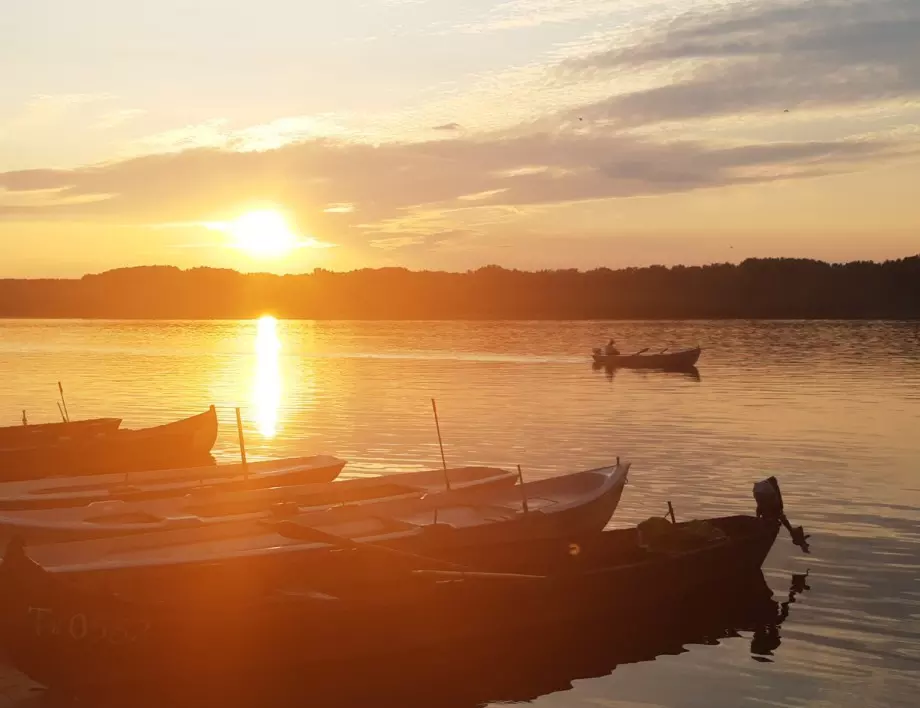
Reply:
x=478 y=516
x=32 y=434
x=117 y=517
x=62 y=492
x=184 y=442
x=233 y=625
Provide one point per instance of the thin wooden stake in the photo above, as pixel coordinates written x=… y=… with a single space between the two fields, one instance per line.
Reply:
x=671 y=512
x=239 y=428
x=66 y=413
x=437 y=424
x=63 y=417
x=523 y=490
x=25 y=421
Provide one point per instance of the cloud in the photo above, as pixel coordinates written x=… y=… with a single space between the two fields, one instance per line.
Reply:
x=340 y=208
x=54 y=106
x=520 y=14
x=117 y=118
x=765 y=57
x=737 y=59
x=213 y=133
x=397 y=180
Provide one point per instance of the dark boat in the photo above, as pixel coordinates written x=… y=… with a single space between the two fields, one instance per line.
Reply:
x=464 y=675
x=34 y=434
x=232 y=624
x=182 y=443
x=673 y=361
x=118 y=517
x=67 y=492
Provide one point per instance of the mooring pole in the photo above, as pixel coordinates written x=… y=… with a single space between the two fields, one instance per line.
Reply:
x=523 y=490
x=239 y=428
x=437 y=425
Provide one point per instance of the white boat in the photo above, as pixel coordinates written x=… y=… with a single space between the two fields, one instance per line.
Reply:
x=209 y=506
x=558 y=507
x=61 y=492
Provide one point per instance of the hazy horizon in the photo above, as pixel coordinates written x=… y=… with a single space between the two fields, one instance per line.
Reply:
x=282 y=136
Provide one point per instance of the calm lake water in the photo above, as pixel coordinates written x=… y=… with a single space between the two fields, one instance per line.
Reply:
x=832 y=409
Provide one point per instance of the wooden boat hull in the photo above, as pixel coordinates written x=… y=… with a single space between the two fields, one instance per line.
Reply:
x=165 y=562
x=676 y=361
x=119 y=518
x=526 y=528
x=82 y=641
x=18 y=436
x=67 y=492
x=464 y=674
x=182 y=443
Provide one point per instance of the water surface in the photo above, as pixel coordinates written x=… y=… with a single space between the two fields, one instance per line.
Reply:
x=832 y=409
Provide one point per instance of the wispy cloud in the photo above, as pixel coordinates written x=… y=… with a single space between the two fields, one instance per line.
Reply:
x=341 y=208
x=114 y=119
x=765 y=57
x=210 y=134
x=516 y=14
x=55 y=104
x=387 y=181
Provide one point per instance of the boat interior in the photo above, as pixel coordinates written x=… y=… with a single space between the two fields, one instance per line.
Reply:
x=102 y=485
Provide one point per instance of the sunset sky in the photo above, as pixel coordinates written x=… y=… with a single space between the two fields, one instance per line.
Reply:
x=283 y=135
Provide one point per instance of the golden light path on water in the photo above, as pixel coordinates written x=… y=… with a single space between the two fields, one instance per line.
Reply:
x=267 y=387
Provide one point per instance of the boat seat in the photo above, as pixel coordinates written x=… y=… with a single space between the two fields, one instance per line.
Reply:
x=465 y=516
x=533 y=504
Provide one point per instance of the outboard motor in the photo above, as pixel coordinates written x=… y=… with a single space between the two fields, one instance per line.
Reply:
x=769 y=499
x=770 y=506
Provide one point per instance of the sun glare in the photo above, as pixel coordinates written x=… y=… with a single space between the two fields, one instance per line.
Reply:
x=263 y=233
x=267 y=385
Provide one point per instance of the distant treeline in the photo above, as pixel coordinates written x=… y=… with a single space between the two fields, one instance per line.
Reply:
x=761 y=288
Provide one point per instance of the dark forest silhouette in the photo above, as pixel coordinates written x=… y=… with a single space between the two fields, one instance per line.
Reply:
x=757 y=288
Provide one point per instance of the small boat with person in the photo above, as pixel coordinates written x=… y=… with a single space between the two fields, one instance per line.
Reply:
x=240 y=622
x=684 y=360
x=104 y=450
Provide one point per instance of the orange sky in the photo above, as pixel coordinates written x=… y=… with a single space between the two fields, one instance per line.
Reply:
x=529 y=133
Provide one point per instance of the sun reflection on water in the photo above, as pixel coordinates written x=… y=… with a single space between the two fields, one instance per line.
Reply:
x=267 y=387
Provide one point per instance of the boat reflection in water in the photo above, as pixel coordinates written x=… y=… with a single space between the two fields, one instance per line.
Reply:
x=524 y=667
x=267 y=384
x=691 y=372
x=766 y=637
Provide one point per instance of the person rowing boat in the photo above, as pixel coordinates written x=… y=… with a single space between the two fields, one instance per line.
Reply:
x=611 y=349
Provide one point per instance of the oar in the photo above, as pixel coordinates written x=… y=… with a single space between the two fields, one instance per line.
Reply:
x=478 y=574
x=640 y=352
x=454 y=569
x=664 y=350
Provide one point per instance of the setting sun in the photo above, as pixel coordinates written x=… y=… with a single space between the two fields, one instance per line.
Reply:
x=263 y=233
